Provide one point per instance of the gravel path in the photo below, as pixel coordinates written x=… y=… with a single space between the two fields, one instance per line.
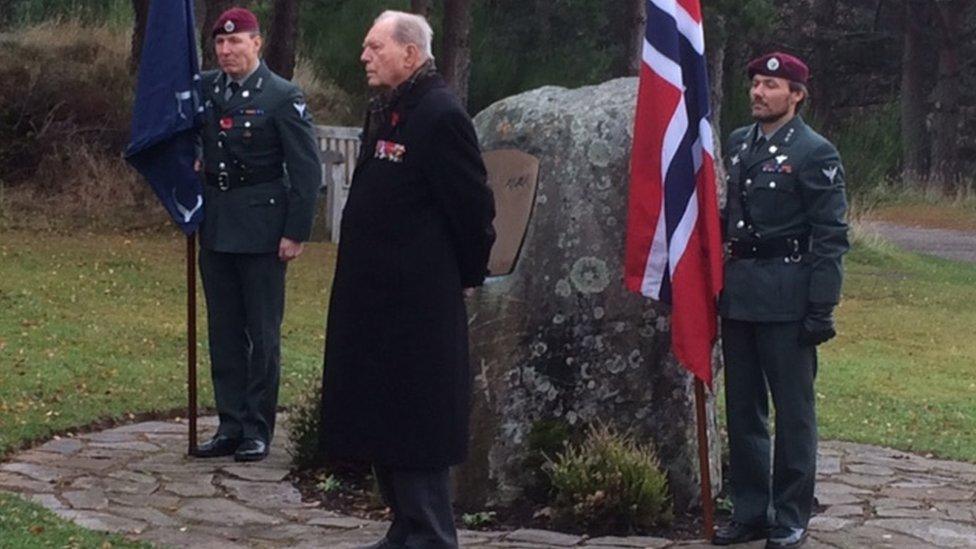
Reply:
x=944 y=243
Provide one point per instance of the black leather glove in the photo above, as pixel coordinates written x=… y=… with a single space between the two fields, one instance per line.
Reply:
x=818 y=324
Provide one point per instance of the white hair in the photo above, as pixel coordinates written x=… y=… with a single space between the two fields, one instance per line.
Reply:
x=410 y=28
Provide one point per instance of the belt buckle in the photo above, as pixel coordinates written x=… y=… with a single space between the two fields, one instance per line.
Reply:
x=796 y=256
x=223 y=181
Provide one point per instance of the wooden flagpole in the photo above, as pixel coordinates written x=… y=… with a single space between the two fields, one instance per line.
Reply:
x=708 y=506
x=191 y=339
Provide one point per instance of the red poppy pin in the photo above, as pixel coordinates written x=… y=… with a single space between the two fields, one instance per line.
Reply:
x=226 y=123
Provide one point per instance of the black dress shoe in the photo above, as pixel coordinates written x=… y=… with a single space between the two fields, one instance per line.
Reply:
x=736 y=532
x=251 y=449
x=785 y=537
x=219 y=445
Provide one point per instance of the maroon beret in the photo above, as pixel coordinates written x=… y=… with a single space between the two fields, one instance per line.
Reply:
x=782 y=65
x=236 y=20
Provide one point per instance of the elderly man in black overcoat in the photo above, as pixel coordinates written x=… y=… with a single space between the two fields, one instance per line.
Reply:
x=416 y=233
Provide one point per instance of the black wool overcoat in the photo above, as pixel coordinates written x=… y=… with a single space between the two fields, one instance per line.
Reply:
x=416 y=230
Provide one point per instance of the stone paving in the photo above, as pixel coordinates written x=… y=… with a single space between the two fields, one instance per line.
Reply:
x=136 y=480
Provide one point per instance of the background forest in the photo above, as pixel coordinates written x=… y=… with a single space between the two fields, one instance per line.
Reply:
x=893 y=80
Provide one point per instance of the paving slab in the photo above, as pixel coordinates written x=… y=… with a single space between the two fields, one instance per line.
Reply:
x=275 y=494
x=543 y=537
x=644 y=542
x=223 y=512
x=938 y=533
x=103 y=522
x=43 y=473
x=63 y=446
x=86 y=499
x=18 y=483
x=137 y=480
x=201 y=488
x=149 y=515
x=258 y=474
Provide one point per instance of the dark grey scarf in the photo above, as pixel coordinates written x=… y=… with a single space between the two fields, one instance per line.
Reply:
x=382 y=104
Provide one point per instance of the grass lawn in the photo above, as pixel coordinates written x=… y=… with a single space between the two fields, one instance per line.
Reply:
x=901 y=373
x=93 y=327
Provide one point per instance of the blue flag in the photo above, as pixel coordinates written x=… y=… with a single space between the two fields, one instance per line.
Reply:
x=167 y=111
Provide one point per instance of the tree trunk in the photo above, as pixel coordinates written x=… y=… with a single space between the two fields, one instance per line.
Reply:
x=629 y=24
x=213 y=10
x=7 y=13
x=141 y=10
x=456 y=46
x=823 y=12
x=280 y=53
x=716 y=73
x=420 y=7
x=715 y=59
x=946 y=96
x=915 y=57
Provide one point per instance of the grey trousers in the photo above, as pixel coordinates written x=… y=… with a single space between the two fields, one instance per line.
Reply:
x=421 y=505
x=245 y=304
x=763 y=358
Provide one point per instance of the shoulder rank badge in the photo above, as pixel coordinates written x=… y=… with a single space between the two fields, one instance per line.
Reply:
x=830 y=173
x=302 y=108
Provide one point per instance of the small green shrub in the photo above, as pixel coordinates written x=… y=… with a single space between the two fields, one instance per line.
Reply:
x=609 y=484
x=328 y=483
x=547 y=438
x=479 y=519
x=303 y=423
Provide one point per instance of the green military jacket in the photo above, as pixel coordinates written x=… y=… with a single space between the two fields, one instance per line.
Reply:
x=261 y=162
x=791 y=186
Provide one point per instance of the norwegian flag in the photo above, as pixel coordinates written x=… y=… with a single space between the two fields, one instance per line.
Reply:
x=674 y=246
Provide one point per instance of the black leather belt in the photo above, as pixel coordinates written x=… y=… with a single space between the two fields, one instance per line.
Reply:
x=788 y=247
x=235 y=179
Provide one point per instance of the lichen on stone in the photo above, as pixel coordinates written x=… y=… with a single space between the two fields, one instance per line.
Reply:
x=616 y=364
x=590 y=275
x=563 y=289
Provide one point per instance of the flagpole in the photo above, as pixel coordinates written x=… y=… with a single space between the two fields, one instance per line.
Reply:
x=708 y=507
x=191 y=339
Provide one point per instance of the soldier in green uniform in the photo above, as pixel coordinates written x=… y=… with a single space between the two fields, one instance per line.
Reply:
x=262 y=173
x=785 y=232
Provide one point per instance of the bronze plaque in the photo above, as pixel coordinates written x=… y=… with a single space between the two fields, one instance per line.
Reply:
x=512 y=176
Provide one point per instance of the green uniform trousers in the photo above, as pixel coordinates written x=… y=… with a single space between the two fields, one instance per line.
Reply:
x=763 y=358
x=245 y=304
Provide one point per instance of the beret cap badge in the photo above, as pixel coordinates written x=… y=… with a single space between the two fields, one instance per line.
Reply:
x=780 y=65
x=236 y=20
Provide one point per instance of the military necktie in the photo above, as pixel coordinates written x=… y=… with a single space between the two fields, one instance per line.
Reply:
x=758 y=144
x=231 y=90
